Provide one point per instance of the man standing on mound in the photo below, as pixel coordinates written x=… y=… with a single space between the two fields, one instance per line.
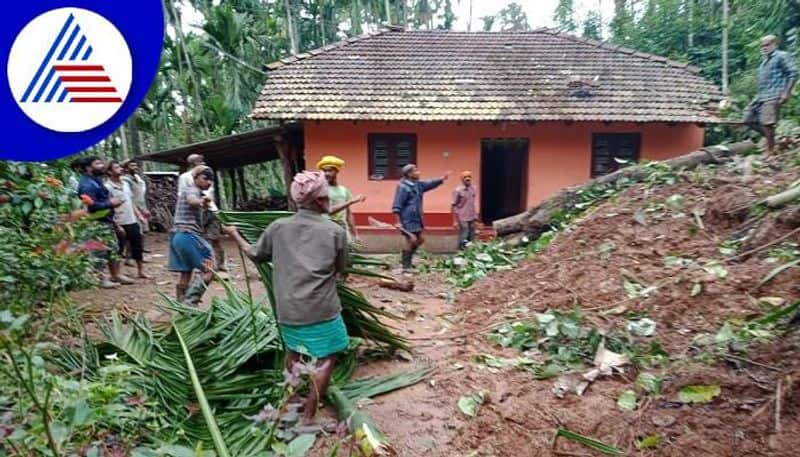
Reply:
x=307 y=252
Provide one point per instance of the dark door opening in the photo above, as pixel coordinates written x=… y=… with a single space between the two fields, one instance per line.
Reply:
x=504 y=177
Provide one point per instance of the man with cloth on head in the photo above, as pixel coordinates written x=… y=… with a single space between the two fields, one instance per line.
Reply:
x=307 y=252
x=340 y=196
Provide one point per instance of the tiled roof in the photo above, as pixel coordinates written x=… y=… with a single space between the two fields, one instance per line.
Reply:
x=455 y=76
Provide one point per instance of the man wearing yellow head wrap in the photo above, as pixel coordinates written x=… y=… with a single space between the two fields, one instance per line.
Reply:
x=340 y=196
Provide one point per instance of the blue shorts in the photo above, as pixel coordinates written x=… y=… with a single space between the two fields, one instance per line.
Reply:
x=187 y=252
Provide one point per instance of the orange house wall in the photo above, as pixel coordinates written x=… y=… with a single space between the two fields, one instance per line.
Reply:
x=559 y=155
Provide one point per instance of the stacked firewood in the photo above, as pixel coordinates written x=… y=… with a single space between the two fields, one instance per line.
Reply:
x=264 y=204
x=162 y=194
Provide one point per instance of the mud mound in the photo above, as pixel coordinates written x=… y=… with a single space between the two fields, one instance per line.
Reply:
x=680 y=241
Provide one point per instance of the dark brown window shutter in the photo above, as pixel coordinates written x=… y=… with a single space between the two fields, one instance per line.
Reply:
x=609 y=146
x=389 y=153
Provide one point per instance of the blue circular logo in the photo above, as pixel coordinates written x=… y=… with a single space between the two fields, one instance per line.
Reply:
x=76 y=70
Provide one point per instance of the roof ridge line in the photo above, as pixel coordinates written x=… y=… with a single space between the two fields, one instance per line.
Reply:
x=619 y=48
x=292 y=58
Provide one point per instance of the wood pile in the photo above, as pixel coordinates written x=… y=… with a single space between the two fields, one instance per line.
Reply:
x=162 y=194
x=264 y=204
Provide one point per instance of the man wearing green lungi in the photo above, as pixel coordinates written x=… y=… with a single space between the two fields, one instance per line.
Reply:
x=307 y=252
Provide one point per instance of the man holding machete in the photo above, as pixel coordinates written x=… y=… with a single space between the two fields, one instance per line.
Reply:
x=408 y=208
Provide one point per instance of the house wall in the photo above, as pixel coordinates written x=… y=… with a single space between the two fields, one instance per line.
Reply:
x=559 y=156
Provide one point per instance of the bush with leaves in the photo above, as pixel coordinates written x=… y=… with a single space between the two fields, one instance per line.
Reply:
x=47 y=238
x=55 y=409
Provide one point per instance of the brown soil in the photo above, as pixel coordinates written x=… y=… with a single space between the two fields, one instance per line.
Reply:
x=521 y=414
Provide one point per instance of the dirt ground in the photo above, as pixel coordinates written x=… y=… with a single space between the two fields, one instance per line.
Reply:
x=144 y=296
x=521 y=413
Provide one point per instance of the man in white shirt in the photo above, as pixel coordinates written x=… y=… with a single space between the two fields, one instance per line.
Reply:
x=212 y=230
x=126 y=217
x=133 y=176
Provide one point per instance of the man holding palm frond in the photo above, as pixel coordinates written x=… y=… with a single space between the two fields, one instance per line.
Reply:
x=307 y=251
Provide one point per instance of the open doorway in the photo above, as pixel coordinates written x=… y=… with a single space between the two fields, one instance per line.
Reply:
x=504 y=177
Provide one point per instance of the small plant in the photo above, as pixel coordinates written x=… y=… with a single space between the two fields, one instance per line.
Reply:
x=555 y=342
x=784 y=253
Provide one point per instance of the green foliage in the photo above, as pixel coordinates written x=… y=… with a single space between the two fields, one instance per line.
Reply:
x=592 y=26
x=53 y=413
x=562 y=343
x=43 y=253
x=738 y=334
x=512 y=18
x=691 y=31
x=588 y=442
x=478 y=260
x=564 y=16
x=698 y=393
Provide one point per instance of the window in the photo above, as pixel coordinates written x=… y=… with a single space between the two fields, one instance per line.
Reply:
x=609 y=146
x=390 y=152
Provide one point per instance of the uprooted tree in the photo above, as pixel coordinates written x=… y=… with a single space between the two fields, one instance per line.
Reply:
x=538 y=219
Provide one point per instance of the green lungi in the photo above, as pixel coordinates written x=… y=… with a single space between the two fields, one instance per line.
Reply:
x=318 y=340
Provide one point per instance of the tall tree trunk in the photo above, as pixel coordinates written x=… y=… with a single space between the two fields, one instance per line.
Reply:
x=355 y=18
x=322 y=20
x=123 y=136
x=290 y=28
x=135 y=143
x=195 y=81
x=725 y=47
x=690 y=4
x=388 y=12
x=469 y=18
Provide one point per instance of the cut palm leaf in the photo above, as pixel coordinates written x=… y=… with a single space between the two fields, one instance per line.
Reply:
x=778 y=270
x=208 y=415
x=591 y=443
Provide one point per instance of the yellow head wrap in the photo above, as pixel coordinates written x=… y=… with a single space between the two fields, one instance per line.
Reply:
x=330 y=161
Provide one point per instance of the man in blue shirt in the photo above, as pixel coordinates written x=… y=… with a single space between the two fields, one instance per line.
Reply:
x=776 y=77
x=99 y=199
x=408 y=208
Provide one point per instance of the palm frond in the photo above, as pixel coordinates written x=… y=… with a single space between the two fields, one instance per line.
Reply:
x=360 y=316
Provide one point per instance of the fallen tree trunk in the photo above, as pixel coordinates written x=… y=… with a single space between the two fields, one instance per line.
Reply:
x=537 y=219
x=783 y=198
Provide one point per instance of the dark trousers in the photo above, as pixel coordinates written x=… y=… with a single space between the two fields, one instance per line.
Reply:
x=466 y=233
x=133 y=239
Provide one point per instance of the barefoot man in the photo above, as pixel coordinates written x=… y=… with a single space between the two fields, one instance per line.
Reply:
x=307 y=252
x=188 y=250
x=776 y=77
x=126 y=217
